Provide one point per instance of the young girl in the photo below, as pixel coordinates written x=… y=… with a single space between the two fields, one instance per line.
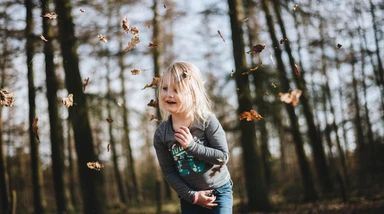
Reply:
x=190 y=143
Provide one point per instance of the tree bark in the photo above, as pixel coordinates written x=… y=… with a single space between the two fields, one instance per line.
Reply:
x=308 y=184
x=254 y=180
x=132 y=188
x=91 y=181
x=313 y=133
x=56 y=129
x=37 y=177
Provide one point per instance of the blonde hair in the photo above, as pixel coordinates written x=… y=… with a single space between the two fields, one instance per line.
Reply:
x=188 y=81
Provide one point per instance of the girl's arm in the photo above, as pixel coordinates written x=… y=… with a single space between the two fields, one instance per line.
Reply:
x=217 y=152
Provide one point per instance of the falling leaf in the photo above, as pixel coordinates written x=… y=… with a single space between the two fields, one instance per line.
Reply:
x=135 y=71
x=255 y=68
x=153 y=103
x=246 y=19
x=221 y=35
x=339 y=46
x=295 y=7
x=85 y=84
x=152 y=45
x=95 y=165
x=215 y=170
x=250 y=115
x=256 y=49
x=35 y=127
x=120 y=104
x=153 y=117
x=109 y=120
x=290 y=97
x=282 y=41
x=125 y=24
x=108 y=147
x=135 y=31
x=43 y=38
x=296 y=70
x=50 y=15
x=6 y=98
x=81 y=10
x=232 y=72
x=102 y=38
x=68 y=101
x=132 y=44
x=273 y=85
x=153 y=84
x=165 y=6
x=266 y=93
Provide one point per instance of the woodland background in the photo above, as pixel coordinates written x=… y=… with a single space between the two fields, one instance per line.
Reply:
x=323 y=155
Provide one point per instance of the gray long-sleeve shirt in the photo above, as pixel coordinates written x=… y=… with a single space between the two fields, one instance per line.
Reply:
x=200 y=166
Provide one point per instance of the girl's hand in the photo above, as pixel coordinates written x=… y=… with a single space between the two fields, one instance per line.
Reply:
x=183 y=136
x=206 y=199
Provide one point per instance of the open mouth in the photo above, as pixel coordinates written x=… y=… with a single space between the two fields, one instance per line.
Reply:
x=170 y=102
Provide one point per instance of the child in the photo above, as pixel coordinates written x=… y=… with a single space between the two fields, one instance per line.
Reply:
x=190 y=143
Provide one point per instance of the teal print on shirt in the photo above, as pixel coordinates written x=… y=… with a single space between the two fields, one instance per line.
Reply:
x=180 y=155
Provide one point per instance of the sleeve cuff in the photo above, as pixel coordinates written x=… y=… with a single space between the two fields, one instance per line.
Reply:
x=195 y=198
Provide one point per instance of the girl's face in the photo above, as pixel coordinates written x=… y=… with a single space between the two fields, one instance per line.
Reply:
x=170 y=98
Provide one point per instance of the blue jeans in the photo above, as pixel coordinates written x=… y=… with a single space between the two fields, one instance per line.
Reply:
x=224 y=200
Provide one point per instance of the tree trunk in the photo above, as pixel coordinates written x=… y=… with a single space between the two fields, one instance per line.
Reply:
x=313 y=133
x=133 y=189
x=112 y=142
x=91 y=181
x=5 y=202
x=56 y=129
x=256 y=188
x=37 y=177
x=71 y=169
x=380 y=75
x=308 y=184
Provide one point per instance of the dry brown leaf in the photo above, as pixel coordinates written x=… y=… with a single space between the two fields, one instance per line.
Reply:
x=273 y=85
x=282 y=41
x=153 y=84
x=120 y=104
x=68 y=101
x=339 y=46
x=256 y=49
x=152 y=45
x=35 y=128
x=295 y=7
x=50 y=15
x=109 y=120
x=296 y=70
x=165 y=6
x=250 y=115
x=85 y=84
x=102 y=38
x=6 y=98
x=132 y=44
x=232 y=72
x=95 y=165
x=290 y=97
x=153 y=103
x=135 y=31
x=215 y=170
x=81 y=10
x=125 y=24
x=135 y=71
x=153 y=117
x=221 y=35
x=43 y=38
x=108 y=147
x=255 y=68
